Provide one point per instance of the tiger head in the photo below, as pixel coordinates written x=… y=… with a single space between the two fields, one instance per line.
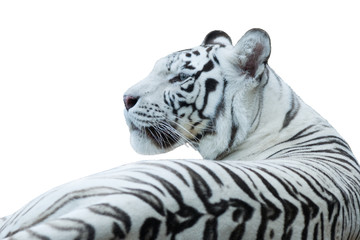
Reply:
x=206 y=96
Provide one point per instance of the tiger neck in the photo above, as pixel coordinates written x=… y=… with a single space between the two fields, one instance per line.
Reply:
x=276 y=114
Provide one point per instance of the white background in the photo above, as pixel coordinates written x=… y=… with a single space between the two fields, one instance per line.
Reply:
x=64 y=66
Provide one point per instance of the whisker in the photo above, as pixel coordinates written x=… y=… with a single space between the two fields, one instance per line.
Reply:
x=166 y=132
x=181 y=135
x=192 y=126
x=171 y=131
x=156 y=136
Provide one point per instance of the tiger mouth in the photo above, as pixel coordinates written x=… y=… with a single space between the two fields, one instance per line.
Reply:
x=162 y=137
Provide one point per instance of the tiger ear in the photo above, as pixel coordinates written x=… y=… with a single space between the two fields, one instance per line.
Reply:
x=253 y=51
x=217 y=37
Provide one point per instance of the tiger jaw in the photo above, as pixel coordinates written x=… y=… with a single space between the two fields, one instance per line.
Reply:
x=150 y=135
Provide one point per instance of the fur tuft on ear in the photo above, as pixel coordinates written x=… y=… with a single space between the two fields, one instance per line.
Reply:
x=253 y=51
x=217 y=37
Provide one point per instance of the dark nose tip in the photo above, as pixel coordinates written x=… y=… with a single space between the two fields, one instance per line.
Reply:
x=130 y=101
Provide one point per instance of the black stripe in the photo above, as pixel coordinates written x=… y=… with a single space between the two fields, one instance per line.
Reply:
x=210 y=231
x=334 y=223
x=310 y=210
x=294 y=109
x=306 y=215
x=238 y=232
x=108 y=210
x=216 y=60
x=150 y=229
x=208 y=66
x=36 y=235
x=234 y=130
x=301 y=135
x=85 y=231
x=241 y=183
x=188 y=66
x=136 y=180
x=117 y=231
x=167 y=168
x=149 y=198
x=336 y=140
x=263 y=223
x=68 y=198
x=315 y=233
x=210 y=86
x=322 y=225
x=344 y=226
x=221 y=104
x=265 y=182
x=170 y=188
x=335 y=161
x=188 y=89
x=332 y=203
x=184 y=218
x=202 y=189
x=290 y=210
x=208 y=50
x=247 y=175
x=211 y=173
x=244 y=210
x=204 y=192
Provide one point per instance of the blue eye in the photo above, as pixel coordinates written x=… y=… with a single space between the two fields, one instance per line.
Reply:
x=183 y=76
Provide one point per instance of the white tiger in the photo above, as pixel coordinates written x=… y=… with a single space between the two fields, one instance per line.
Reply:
x=284 y=173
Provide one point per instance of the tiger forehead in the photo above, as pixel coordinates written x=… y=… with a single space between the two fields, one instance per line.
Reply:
x=184 y=58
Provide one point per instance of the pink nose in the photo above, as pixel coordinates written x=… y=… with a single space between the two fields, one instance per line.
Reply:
x=130 y=101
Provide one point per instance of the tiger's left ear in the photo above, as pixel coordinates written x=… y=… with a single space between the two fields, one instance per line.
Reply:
x=217 y=37
x=253 y=51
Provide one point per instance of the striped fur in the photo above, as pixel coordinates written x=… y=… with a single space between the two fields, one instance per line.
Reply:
x=284 y=173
